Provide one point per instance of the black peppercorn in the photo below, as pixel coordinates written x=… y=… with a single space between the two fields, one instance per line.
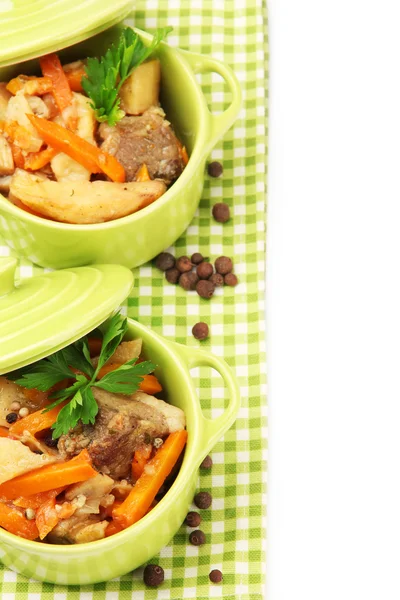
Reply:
x=48 y=440
x=183 y=264
x=205 y=288
x=165 y=261
x=215 y=576
x=197 y=538
x=231 y=279
x=193 y=519
x=200 y=331
x=223 y=265
x=172 y=275
x=215 y=169
x=196 y=258
x=153 y=575
x=203 y=500
x=11 y=417
x=204 y=270
x=207 y=463
x=220 y=212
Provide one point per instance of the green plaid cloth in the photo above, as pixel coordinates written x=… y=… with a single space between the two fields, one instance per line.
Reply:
x=234 y=32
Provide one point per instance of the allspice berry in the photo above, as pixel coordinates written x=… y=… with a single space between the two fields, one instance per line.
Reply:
x=217 y=279
x=188 y=280
x=215 y=576
x=172 y=275
x=204 y=270
x=215 y=169
x=231 y=279
x=193 y=519
x=197 y=538
x=196 y=258
x=205 y=288
x=153 y=575
x=183 y=264
x=200 y=331
x=165 y=261
x=220 y=212
x=207 y=462
x=203 y=500
x=223 y=265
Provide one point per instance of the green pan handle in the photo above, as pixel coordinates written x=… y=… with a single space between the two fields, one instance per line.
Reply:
x=221 y=122
x=213 y=429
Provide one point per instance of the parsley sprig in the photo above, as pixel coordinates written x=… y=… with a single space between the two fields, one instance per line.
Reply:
x=62 y=365
x=105 y=76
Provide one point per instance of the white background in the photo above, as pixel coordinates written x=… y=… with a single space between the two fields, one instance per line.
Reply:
x=333 y=300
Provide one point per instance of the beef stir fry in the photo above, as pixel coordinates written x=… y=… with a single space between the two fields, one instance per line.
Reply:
x=88 y=142
x=86 y=449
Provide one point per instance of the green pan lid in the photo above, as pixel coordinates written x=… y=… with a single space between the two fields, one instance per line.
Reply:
x=31 y=28
x=42 y=314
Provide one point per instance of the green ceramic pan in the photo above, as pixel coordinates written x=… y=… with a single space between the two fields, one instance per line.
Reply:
x=137 y=238
x=47 y=312
x=122 y=552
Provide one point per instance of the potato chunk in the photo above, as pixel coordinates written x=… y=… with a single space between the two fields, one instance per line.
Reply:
x=4 y=98
x=142 y=88
x=6 y=157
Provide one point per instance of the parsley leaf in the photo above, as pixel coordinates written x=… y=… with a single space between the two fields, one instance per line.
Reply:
x=126 y=379
x=105 y=76
x=74 y=363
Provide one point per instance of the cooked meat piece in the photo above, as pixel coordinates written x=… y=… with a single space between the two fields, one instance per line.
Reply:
x=174 y=416
x=121 y=427
x=78 y=530
x=147 y=139
x=94 y=490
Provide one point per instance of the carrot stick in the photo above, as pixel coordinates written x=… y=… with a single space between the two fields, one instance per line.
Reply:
x=145 y=490
x=36 y=398
x=32 y=86
x=14 y=521
x=140 y=458
x=150 y=385
x=37 y=160
x=36 y=421
x=88 y=155
x=74 y=77
x=49 y=477
x=142 y=173
x=37 y=500
x=112 y=528
x=51 y=68
x=18 y=157
x=46 y=517
x=4 y=432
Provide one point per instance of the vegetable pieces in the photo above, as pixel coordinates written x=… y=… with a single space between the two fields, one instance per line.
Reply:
x=49 y=477
x=140 y=458
x=36 y=422
x=157 y=469
x=14 y=521
x=73 y=362
x=105 y=76
x=88 y=155
x=46 y=517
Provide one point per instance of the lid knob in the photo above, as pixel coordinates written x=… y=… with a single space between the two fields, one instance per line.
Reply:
x=7 y=273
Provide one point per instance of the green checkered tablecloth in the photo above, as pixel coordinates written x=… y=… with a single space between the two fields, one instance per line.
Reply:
x=235 y=32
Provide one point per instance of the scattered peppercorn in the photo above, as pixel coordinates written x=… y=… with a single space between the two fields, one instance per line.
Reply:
x=207 y=462
x=15 y=406
x=231 y=279
x=188 y=280
x=193 y=519
x=217 y=279
x=23 y=412
x=197 y=538
x=200 y=331
x=153 y=575
x=183 y=264
x=11 y=417
x=215 y=576
x=203 y=500
x=30 y=514
x=215 y=169
x=172 y=275
x=48 y=440
x=165 y=261
x=220 y=212
x=197 y=258
x=204 y=270
x=223 y=265
x=205 y=288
